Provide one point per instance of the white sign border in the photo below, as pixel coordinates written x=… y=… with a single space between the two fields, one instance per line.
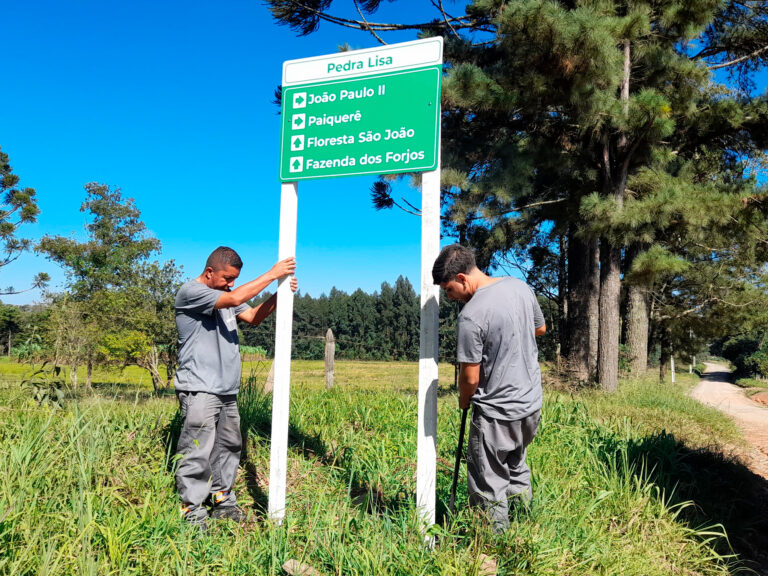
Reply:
x=417 y=53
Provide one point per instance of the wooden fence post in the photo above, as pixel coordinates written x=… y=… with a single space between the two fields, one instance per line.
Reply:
x=330 y=353
x=270 y=383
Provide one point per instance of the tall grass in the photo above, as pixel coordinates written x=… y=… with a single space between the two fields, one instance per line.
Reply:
x=89 y=490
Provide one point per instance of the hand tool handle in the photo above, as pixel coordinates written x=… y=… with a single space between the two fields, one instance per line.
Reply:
x=459 y=450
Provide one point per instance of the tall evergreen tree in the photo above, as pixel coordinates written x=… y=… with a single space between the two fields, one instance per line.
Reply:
x=552 y=109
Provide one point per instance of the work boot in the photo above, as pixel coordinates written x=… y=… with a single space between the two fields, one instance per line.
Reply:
x=228 y=513
x=225 y=507
x=195 y=515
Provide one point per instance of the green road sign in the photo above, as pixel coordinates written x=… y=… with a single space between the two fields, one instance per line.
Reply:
x=366 y=123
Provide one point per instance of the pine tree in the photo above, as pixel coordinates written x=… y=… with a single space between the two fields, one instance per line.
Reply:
x=555 y=112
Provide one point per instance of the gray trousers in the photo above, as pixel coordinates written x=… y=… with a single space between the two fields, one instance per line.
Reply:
x=496 y=468
x=209 y=446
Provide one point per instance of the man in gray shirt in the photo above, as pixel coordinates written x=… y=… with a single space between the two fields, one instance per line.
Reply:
x=208 y=380
x=499 y=375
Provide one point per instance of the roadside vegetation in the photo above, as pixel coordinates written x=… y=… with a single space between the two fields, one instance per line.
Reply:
x=752 y=384
x=632 y=483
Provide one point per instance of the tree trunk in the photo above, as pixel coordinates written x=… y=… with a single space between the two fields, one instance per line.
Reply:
x=615 y=165
x=562 y=291
x=269 y=385
x=153 y=366
x=89 y=374
x=594 y=311
x=666 y=352
x=637 y=327
x=73 y=376
x=610 y=321
x=580 y=336
x=171 y=364
x=637 y=319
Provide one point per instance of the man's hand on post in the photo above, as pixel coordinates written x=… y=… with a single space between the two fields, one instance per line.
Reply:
x=284 y=268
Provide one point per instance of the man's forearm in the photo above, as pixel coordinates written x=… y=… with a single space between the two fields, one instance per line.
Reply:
x=246 y=292
x=469 y=379
x=259 y=313
x=253 y=288
x=466 y=391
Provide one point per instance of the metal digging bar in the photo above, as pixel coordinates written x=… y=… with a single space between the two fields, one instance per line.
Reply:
x=459 y=450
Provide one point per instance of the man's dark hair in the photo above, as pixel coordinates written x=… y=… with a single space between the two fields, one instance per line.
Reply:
x=454 y=259
x=223 y=257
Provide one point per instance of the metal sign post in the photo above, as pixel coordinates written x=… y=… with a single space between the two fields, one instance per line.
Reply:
x=373 y=111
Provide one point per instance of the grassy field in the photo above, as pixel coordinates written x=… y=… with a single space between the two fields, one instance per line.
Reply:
x=633 y=483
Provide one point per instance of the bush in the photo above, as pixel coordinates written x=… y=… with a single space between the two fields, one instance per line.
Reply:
x=748 y=353
x=251 y=353
x=29 y=351
x=751 y=383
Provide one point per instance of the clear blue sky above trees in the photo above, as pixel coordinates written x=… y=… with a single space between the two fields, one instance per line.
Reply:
x=172 y=102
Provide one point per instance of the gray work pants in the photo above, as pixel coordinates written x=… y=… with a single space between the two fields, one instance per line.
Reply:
x=496 y=468
x=209 y=446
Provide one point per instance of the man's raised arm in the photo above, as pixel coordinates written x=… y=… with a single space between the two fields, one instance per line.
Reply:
x=251 y=289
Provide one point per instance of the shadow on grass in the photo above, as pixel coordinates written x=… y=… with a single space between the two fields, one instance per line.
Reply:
x=256 y=419
x=723 y=491
x=255 y=409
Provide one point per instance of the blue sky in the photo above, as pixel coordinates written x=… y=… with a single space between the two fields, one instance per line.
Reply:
x=172 y=102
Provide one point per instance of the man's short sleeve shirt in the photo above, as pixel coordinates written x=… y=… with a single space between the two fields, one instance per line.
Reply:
x=497 y=330
x=209 y=348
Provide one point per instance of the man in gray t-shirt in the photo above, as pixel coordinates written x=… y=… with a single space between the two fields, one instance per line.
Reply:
x=499 y=375
x=208 y=380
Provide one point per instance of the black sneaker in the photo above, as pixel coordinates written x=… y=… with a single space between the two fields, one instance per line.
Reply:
x=228 y=513
x=197 y=517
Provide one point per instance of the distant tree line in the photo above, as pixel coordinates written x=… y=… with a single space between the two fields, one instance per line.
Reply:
x=379 y=326
x=383 y=325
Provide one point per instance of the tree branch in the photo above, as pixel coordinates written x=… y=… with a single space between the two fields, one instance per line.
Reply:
x=739 y=60
x=367 y=25
x=439 y=6
x=459 y=22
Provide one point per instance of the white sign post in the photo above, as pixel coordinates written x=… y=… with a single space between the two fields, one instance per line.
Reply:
x=362 y=112
x=426 y=458
x=281 y=393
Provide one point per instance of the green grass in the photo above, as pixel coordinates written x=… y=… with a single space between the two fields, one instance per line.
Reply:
x=12 y=373
x=655 y=407
x=89 y=489
x=752 y=383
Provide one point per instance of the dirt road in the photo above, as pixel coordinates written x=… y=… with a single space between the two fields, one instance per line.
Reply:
x=715 y=390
